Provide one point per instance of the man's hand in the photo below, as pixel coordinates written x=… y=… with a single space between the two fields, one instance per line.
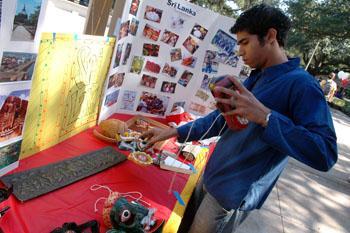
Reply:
x=156 y=134
x=243 y=102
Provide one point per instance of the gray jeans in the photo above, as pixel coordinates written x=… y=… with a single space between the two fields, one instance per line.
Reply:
x=205 y=215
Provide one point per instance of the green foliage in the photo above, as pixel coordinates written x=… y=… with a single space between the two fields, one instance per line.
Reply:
x=324 y=22
x=33 y=18
x=223 y=7
x=246 y=4
x=219 y=6
x=346 y=108
x=347 y=93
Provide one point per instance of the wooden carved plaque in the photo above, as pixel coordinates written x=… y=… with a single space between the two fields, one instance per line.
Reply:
x=38 y=181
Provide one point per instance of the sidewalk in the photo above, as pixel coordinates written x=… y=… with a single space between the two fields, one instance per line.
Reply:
x=307 y=201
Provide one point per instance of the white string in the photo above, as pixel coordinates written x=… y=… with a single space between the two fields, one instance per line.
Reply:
x=177 y=155
x=218 y=137
x=180 y=149
x=205 y=134
x=127 y=194
x=221 y=130
x=96 y=202
x=98 y=186
x=137 y=199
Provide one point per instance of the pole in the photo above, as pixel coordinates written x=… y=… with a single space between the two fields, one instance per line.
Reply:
x=98 y=13
x=312 y=55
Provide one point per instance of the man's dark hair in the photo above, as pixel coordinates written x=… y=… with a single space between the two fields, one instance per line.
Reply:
x=259 y=19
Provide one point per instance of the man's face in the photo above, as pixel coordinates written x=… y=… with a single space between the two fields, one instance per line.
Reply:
x=252 y=51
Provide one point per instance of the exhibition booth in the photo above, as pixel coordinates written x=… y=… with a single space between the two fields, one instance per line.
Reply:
x=73 y=107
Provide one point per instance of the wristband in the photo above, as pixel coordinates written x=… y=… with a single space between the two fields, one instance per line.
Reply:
x=267 y=118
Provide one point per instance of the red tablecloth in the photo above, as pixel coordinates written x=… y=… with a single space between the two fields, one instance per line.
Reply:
x=75 y=202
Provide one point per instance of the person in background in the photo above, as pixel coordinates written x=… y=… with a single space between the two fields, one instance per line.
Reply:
x=288 y=117
x=344 y=83
x=329 y=87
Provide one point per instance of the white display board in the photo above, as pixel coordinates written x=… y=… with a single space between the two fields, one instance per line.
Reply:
x=21 y=25
x=166 y=54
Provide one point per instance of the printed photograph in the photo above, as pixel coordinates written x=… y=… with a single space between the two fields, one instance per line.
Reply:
x=152 y=67
x=169 y=38
x=197 y=108
x=137 y=64
x=111 y=98
x=191 y=45
x=118 y=55
x=23 y=94
x=168 y=87
x=150 y=50
x=134 y=7
x=10 y=153
x=224 y=58
x=26 y=20
x=210 y=63
x=169 y=70
x=189 y=61
x=12 y=114
x=221 y=56
x=17 y=66
x=175 y=54
x=185 y=78
x=151 y=32
x=134 y=25
x=128 y=100
x=124 y=29
x=148 y=81
x=126 y=53
x=116 y=80
x=205 y=82
x=232 y=61
x=225 y=42
x=153 y=14
x=176 y=105
x=153 y=104
x=199 y=31
x=202 y=95
x=177 y=22
x=244 y=73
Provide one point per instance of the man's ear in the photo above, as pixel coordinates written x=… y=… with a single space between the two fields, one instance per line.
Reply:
x=271 y=36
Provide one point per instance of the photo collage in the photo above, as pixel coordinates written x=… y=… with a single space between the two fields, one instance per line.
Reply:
x=162 y=46
x=16 y=72
x=14 y=98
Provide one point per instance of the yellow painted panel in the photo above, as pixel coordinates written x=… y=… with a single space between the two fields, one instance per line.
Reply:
x=68 y=80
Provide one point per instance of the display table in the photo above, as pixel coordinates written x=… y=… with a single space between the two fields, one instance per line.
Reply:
x=75 y=202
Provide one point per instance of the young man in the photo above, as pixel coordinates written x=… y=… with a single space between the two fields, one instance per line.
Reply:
x=288 y=116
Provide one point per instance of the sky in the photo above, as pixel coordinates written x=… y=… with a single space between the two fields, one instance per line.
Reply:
x=30 y=5
x=232 y=4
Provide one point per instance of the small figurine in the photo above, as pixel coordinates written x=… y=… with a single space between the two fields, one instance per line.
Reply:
x=128 y=136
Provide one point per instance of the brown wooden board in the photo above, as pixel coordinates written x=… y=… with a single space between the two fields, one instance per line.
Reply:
x=38 y=181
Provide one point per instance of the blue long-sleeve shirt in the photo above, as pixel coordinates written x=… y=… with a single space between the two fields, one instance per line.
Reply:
x=246 y=164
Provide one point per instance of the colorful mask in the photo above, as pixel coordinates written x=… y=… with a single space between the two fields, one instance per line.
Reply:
x=127 y=217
